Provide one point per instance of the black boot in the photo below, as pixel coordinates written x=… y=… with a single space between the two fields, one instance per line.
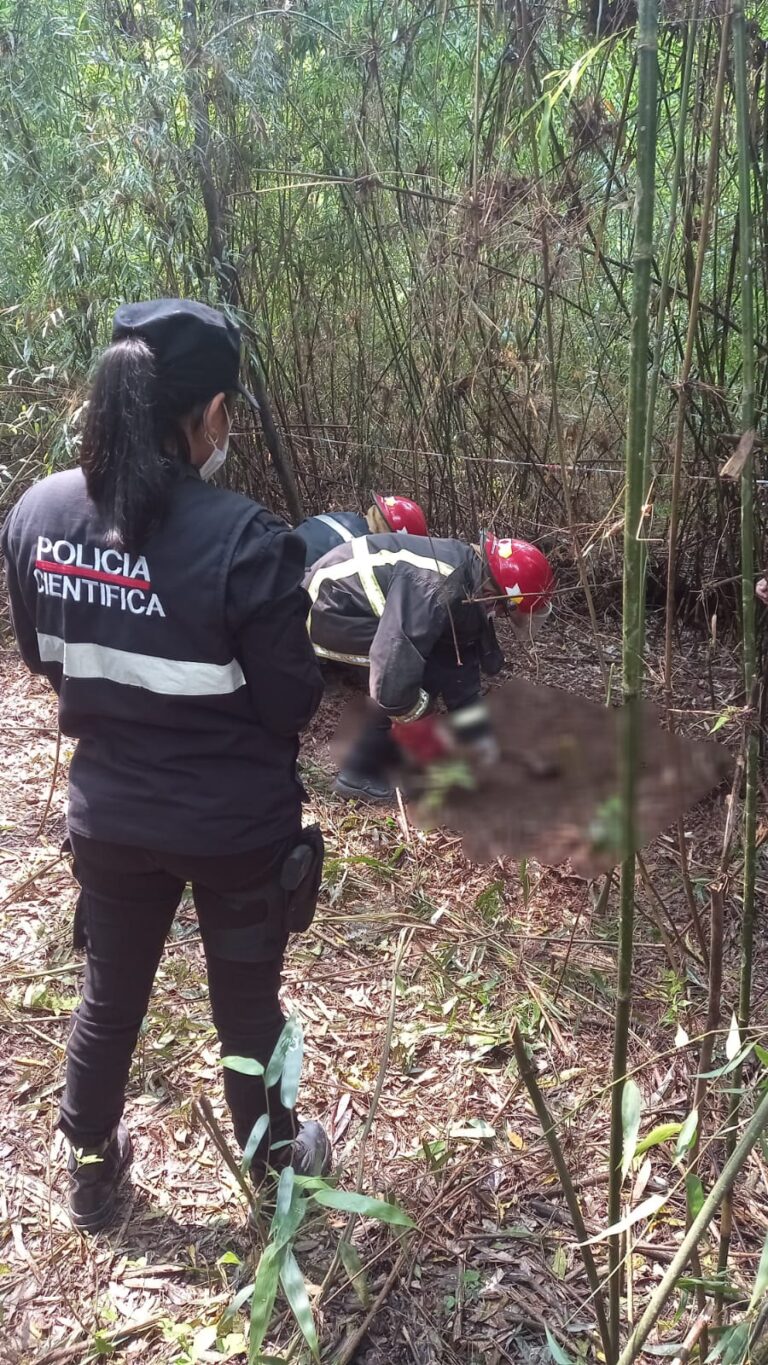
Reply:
x=354 y=786
x=95 y=1175
x=366 y=767
x=312 y=1152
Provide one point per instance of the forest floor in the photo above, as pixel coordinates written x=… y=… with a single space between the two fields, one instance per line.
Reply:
x=453 y=954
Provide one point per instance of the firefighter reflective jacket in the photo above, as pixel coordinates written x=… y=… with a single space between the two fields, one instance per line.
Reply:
x=324 y=533
x=394 y=601
x=184 y=672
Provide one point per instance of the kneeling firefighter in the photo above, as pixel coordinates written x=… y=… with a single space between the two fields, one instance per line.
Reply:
x=169 y=617
x=420 y=617
x=330 y=529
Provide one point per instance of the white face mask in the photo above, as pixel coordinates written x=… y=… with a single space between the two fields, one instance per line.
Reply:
x=216 y=458
x=528 y=624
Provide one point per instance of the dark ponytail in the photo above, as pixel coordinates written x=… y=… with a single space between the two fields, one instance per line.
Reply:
x=130 y=455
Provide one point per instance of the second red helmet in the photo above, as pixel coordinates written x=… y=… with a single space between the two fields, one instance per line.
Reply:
x=402 y=514
x=522 y=572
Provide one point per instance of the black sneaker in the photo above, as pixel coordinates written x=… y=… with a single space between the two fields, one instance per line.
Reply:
x=312 y=1151
x=95 y=1176
x=359 y=787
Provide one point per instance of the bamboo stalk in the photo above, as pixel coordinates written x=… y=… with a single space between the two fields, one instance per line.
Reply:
x=550 y=341
x=571 y=1198
x=666 y=270
x=721 y=1188
x=749 y=822
x=665 y=291
x=714 y=1006
x=633 y=605
x=685 y=369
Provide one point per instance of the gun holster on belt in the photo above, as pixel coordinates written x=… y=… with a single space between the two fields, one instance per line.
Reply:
x=300 y=877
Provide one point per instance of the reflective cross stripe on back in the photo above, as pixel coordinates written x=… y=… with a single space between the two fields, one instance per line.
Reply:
x=363 y=563
x=335 y=525
x=368 y=580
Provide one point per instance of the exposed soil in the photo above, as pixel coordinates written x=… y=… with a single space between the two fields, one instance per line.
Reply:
x=452 y=953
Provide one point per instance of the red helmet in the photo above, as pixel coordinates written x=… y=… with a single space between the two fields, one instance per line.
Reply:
x=522 y=572
x=401 y=514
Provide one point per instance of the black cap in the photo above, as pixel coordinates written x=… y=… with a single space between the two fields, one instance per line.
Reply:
x=192 y=344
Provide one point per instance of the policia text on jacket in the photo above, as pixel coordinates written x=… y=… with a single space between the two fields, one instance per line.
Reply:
x=170 y=618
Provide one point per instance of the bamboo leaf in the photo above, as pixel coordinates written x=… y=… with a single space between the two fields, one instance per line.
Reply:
x=295 y=1292
x=694 y=1193
x=733 y=1345
x=257 y=1133
x=687 y=1134
x=263 y=1299
x=285 y=1188
x=476 y=1130
x=289 y=1081
x=733 y=1041
x=242 y=1296
x=728 y=1067
x=647 y=1209
x=631 y=1113
x=291 y=1032
x=560 y=1356
x=544 y=129
x=663 y=1132
x=761 y=1279
x=246 y=1066
x=290 y=1208
x=355 y=1270
x=347 y=1201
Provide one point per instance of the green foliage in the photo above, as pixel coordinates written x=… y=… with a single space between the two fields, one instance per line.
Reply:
x=445 y=778
x=662 y=1132
x=606 y=831
x=490 y=901
x=631 y=1113
x=296 y=1198
x=558 y=1354
x=355 y=1270
x=348 y=1201
x=761 y=1278
x=380 y=291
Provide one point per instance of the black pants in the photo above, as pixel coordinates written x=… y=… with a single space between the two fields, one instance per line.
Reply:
x=128 y=903
x=374 y=751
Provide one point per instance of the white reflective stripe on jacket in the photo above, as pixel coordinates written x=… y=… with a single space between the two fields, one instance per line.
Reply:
x=335 y=525
x=169 y=677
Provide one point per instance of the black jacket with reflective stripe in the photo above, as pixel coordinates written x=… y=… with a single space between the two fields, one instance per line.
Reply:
x=320 y=535
x=184 y=672
x=396 y=600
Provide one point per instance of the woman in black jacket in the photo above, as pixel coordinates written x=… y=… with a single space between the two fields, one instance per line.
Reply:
x=169 y=617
